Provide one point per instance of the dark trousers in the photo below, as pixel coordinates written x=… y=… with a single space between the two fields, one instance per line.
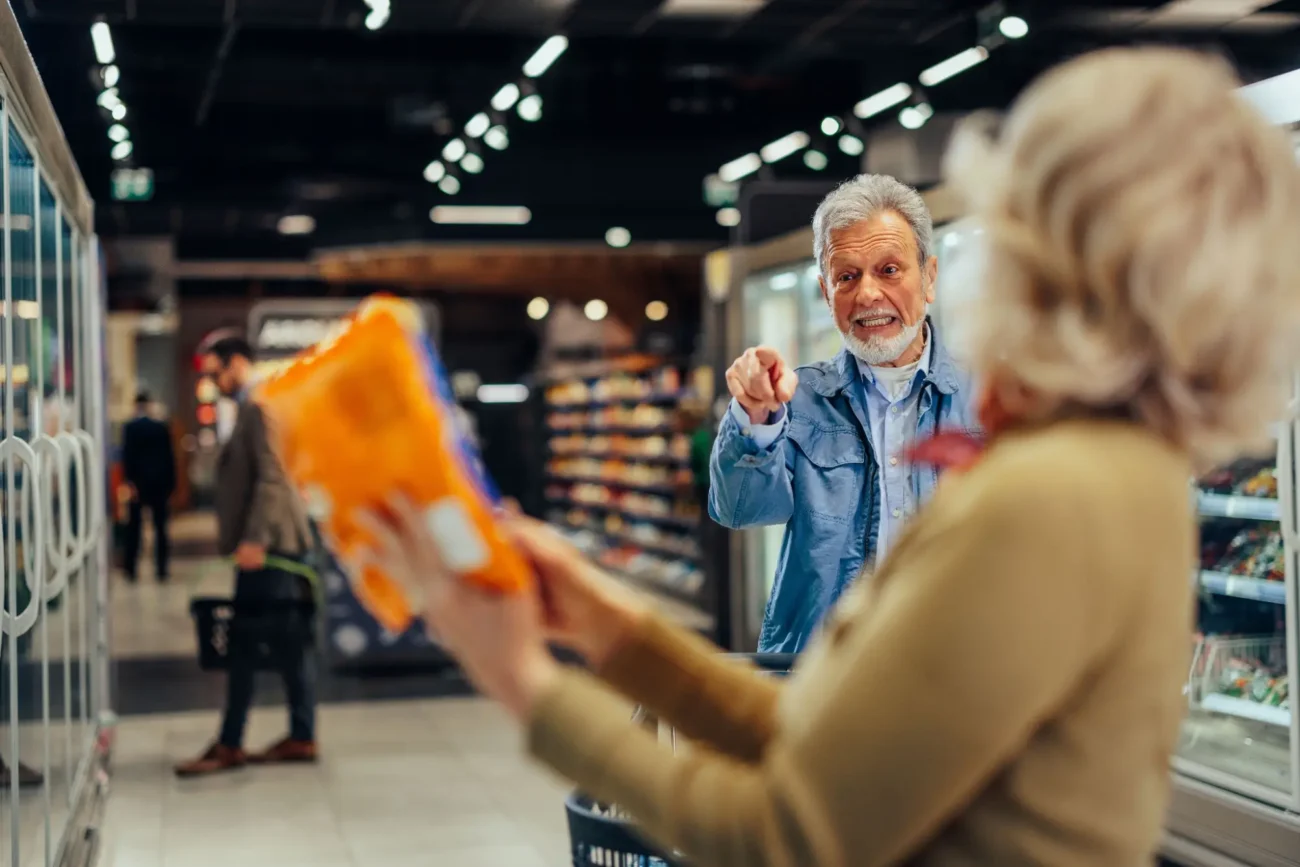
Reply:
x=157 y=507
x=253 y=589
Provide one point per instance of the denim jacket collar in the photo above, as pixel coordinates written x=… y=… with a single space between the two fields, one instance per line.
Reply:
x=943 y=373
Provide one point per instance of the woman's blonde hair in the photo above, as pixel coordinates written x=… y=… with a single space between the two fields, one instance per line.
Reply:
x=1143 y=248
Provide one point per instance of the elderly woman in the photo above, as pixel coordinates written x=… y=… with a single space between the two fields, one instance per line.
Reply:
x=1007 y=688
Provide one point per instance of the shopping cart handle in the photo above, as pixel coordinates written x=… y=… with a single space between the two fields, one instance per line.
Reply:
x=769 y=661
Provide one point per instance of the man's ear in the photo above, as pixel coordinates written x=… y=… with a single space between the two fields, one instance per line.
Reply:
x=826 y=295
x=931 y=278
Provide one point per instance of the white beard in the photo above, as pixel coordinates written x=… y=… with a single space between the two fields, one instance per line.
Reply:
x=881 y=350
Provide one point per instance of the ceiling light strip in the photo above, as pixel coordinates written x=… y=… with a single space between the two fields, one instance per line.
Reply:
x=480 y=215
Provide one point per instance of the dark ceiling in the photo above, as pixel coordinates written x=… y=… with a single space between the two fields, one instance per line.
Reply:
x=248 y=110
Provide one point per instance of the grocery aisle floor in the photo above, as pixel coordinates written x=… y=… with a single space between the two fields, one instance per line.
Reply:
x=399 y=783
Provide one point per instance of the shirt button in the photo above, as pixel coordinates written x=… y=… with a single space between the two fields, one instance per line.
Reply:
x=893 y=462
x=894 y=410
x=748 y=432
x=898 y=513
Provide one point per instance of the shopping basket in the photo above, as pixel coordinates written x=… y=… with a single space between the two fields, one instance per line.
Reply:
x=271 y=632
x=601 y=835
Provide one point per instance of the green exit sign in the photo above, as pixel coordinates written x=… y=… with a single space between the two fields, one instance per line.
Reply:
x=132 y=185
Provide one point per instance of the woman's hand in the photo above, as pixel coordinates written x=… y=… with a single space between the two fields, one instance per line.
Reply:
x=498 y=638
x=585 y=609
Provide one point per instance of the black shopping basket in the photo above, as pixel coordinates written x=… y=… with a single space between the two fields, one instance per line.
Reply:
x=269 y=631
x=601 y=835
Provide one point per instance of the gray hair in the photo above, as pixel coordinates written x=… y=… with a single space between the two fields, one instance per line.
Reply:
x=864 y=197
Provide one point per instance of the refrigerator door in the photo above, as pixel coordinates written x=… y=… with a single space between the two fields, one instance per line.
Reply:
x=1241 y=729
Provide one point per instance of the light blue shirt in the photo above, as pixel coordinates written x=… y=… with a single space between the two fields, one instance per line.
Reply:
x=893 y=421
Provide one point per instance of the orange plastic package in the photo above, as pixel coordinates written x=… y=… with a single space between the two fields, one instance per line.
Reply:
x=366 y=414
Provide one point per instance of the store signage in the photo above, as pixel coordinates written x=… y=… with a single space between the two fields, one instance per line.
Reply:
x=132 y=185
x=295 y=333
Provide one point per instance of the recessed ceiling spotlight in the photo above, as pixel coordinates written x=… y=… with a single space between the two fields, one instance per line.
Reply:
x=122 y=150
x=815 y=160
x=656 y=311
x=117 y=132
x=851 y=145
x=454 y=150
x=472 y=163
x=538 y=308
x=449 y=185
x=530 y=107
x=111 y=75
x=1014 y=27
x=119 y=112
x=435 y=171
x=380 y=11
x=477 y=125
x=497 y=138
x=596 y=310
x=506 y=97
x=296 y=224
x=728 y=217
x=618 y=237
x=831 y=125
x=915 y=116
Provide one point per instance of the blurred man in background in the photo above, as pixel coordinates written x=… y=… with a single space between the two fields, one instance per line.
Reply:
x=262 y=526
x=149 y=464
x=821 y=450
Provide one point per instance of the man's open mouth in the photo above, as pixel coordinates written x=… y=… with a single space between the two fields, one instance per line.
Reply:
x=877 y=321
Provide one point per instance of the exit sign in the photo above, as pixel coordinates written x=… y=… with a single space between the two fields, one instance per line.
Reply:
x=132 y=185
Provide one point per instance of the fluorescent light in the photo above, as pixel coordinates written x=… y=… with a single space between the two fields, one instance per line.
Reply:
x=119 y=112
x=915 y=116
x=472 y=163
x=122 y=150
x=103 y=41
x=596 y=310
x=546 y=55
x=530 y=107
x=886 y=99
x=851 y=145
x=815 y=160
x=449 y=185
x=954 y=65
x=454 y=150
x=108 y=98
x=656 y=311
x=435 y=171
x=380 y=10
x=506 y=97
x=1014 y=27
x=513 y=393
x=538 y=308
x=784 y=146
x=710 y=8
x=480 y=215
x=739 y=167
x=784 y=281
x=296 y=224
x=477 y=125
x=728 y=217
x=111 y=75
x=496 y=138
x=117 y=132
x=831 y=125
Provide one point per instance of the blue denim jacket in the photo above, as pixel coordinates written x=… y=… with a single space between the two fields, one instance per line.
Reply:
x=821 y=480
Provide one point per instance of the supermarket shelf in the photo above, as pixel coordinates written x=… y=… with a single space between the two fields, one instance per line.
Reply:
x=659 y=431
x=665 y=399
x=682 y=612
x=665 y=490
x=662 y=520
x=632 y=542
x=669 y=460
x=1247 y=709
x=1235 y=506
x=1243 y=587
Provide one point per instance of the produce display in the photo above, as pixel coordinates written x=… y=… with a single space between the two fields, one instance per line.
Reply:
x=370 y=412
x=1251 y=550
x=1245 y=478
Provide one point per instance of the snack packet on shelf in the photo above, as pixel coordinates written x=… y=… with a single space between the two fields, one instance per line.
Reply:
x=368 y=414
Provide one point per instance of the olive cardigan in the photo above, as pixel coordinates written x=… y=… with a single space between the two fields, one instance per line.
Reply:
x=1006 y=690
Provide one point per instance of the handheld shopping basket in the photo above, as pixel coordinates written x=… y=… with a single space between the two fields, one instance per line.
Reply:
x=601 y=836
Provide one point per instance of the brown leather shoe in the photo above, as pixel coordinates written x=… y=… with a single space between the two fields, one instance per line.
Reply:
x=216 y=759
x=287 y=751
x=26 y=776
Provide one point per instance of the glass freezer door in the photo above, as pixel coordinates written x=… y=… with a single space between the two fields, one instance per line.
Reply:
x=1240 y=733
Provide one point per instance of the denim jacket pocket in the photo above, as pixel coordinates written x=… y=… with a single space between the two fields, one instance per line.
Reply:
x=829 y=470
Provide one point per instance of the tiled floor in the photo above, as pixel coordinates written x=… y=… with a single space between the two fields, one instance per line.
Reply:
x=400 y=783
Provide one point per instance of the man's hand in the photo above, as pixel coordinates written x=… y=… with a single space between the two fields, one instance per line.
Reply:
x=761 y=382
x=250 y=556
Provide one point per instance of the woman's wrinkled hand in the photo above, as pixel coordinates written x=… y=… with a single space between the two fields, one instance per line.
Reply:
x=499 y=638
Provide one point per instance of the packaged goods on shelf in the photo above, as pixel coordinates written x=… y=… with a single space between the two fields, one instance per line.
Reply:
x=1253 y=551
x=1246 y=478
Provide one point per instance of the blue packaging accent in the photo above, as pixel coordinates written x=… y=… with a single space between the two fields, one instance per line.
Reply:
x=469 y=454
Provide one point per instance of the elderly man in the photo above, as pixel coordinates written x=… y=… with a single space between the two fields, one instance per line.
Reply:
x=820 y=449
